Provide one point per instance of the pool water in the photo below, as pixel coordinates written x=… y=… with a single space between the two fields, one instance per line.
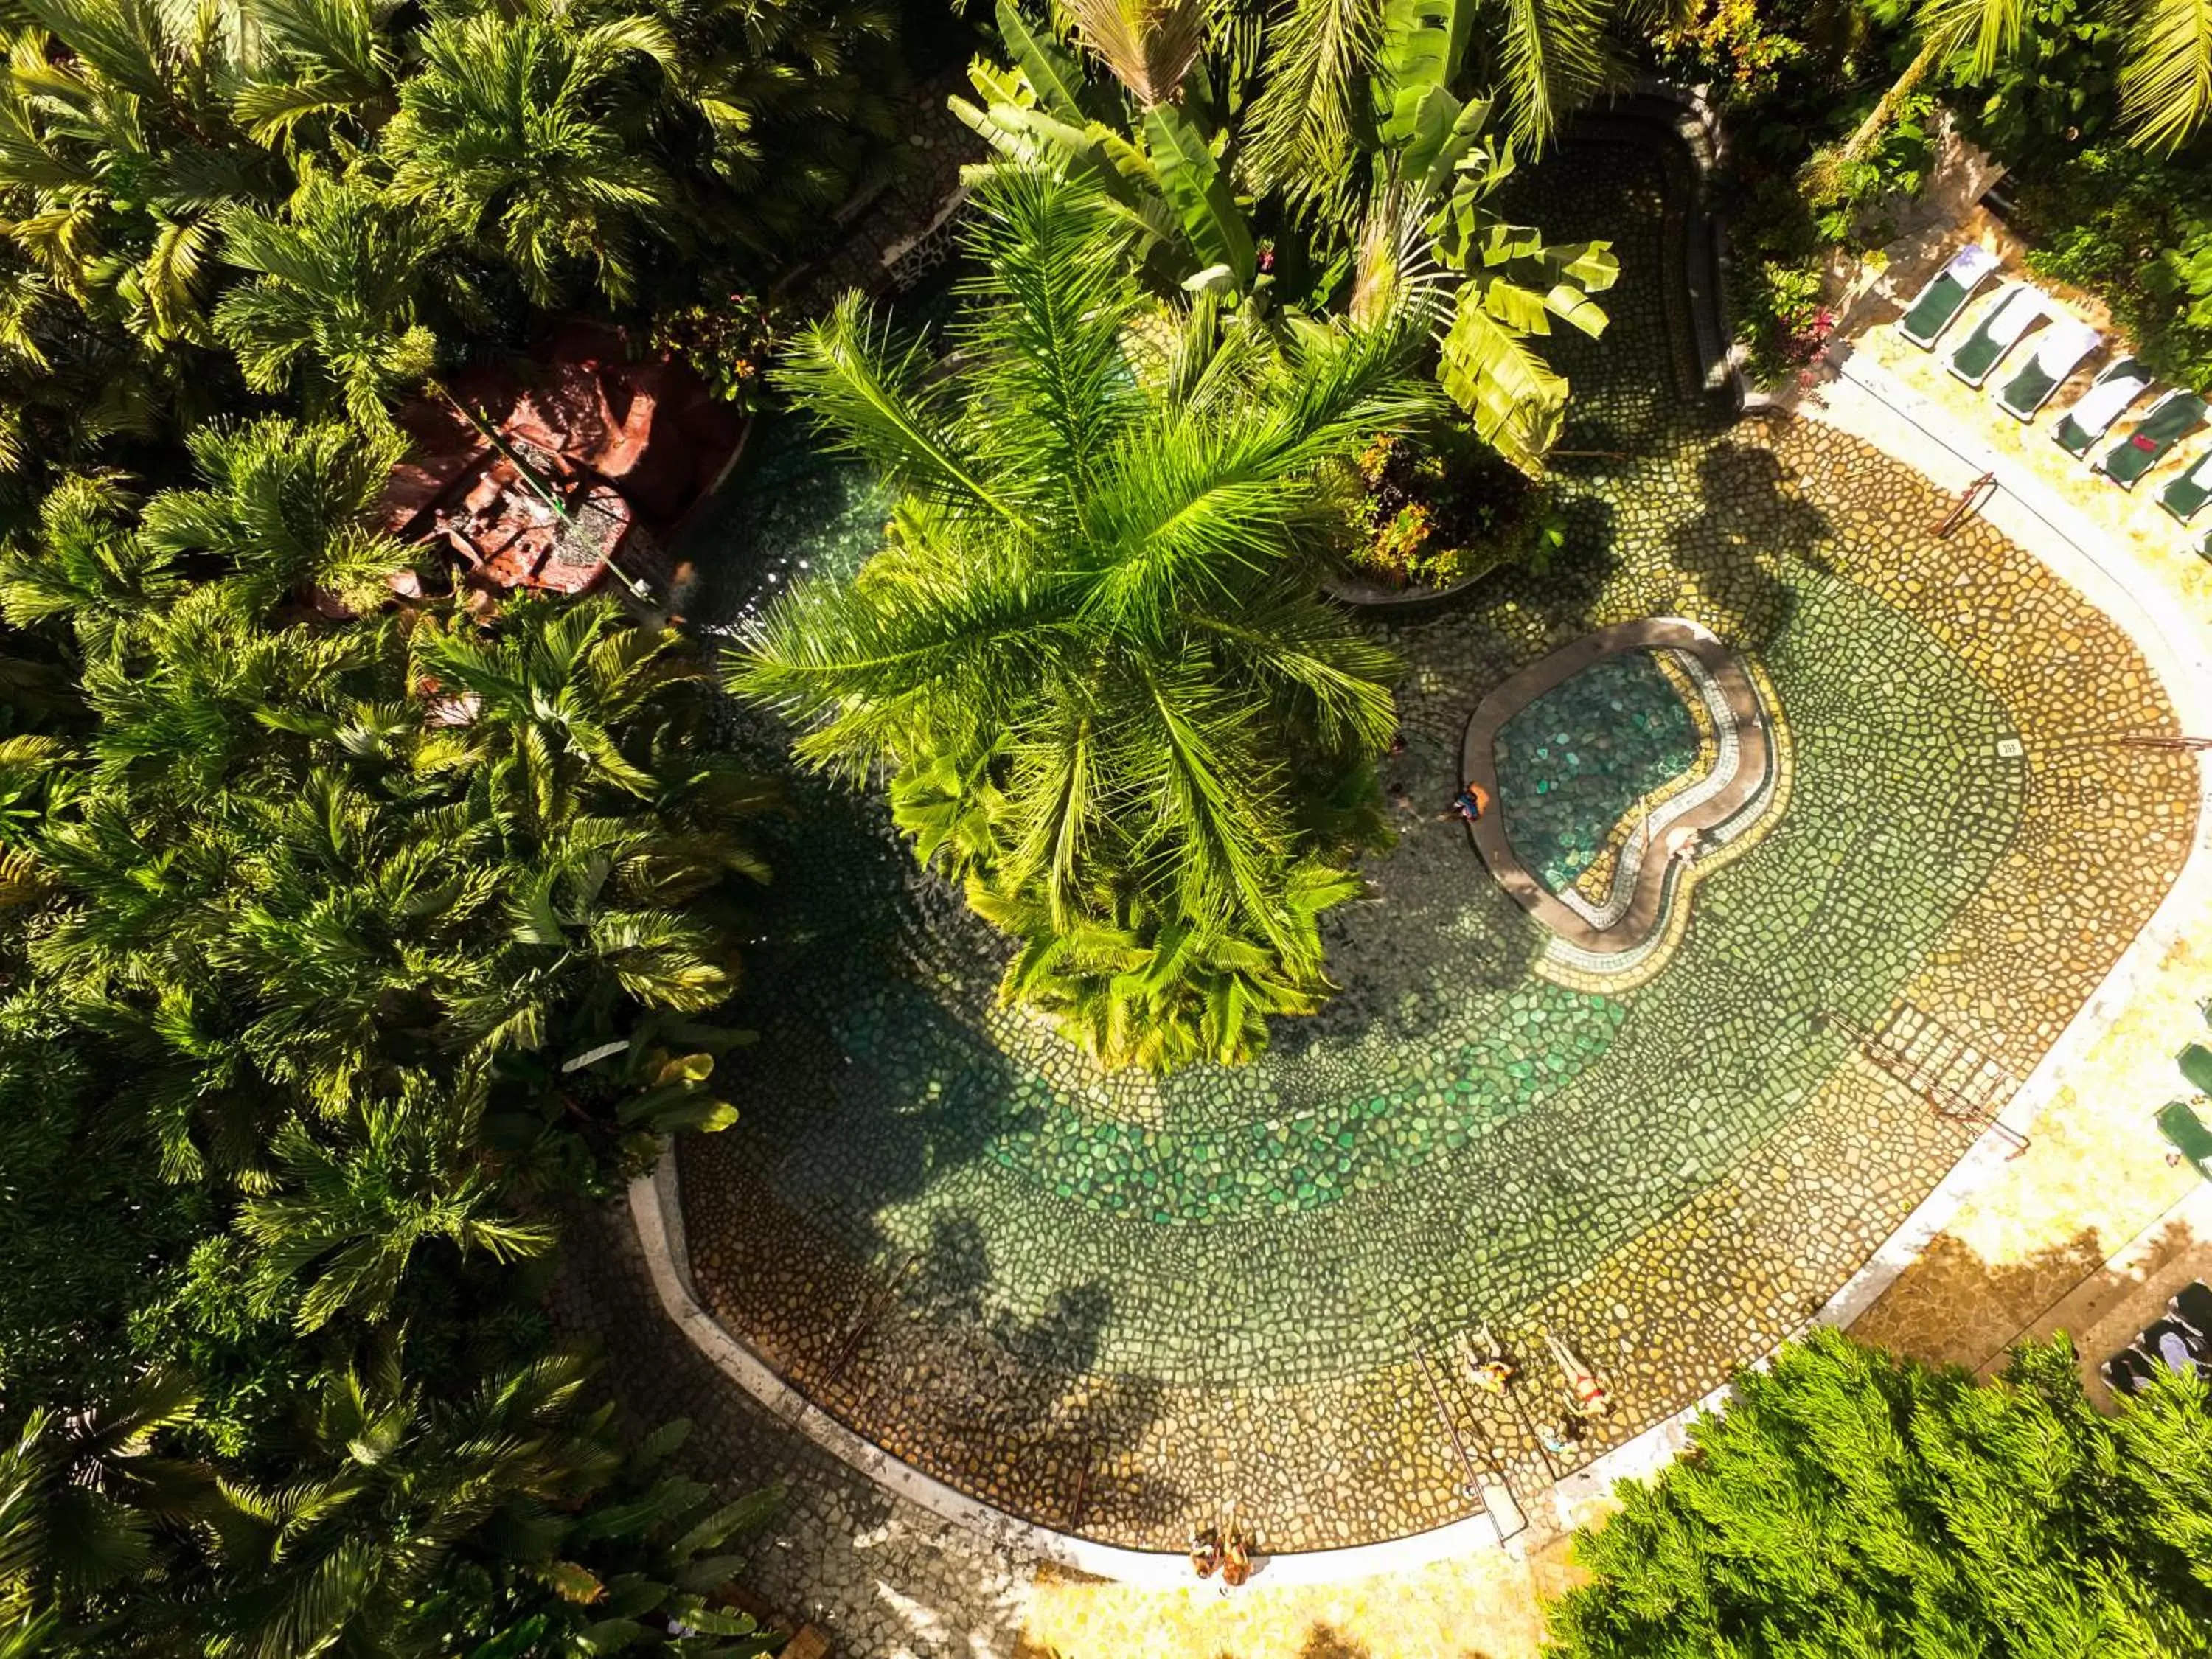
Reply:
x=1574 y=764
x=1115 y=1302
x=789 y=511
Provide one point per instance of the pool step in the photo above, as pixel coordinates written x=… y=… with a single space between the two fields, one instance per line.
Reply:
x=1937 y=1063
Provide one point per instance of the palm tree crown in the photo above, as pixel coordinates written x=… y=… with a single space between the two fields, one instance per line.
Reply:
x=1090 y=653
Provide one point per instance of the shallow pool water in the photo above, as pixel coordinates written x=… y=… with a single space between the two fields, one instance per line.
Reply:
x=1574 y=763
x=1112 y=1303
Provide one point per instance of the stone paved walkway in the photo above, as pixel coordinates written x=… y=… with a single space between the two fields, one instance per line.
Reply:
x=883 y=1579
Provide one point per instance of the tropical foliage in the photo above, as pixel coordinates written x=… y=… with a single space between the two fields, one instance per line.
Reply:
x=345 y=194
x=1849 y=1501
x=1092 y=658
x=1389 y=189
x=334 y=951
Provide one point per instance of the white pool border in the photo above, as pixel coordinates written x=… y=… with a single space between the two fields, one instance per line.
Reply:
x=2177 y=648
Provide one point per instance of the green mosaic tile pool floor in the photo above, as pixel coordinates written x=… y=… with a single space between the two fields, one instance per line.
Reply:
x=1573 y=762
x=1454 y=1138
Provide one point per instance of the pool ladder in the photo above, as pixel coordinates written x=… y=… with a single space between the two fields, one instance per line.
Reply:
x=1957 y=1080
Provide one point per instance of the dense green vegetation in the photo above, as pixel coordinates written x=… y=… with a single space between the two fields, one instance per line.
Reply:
x=1834 y=114
x=333 y=950
x=339 y=941
x=331 y=200
x=1850 y=1502
x=1365 y=170
x=1093 y=658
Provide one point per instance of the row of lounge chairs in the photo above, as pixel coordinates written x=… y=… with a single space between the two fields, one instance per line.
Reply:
x=2064 y=345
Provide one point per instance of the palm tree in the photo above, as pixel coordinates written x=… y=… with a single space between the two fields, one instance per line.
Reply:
x=521 y=131
x=1091 y=654
x=81 y=1494
x=287 y=508
x=2165 y=75
x=353 y=1212
x=389 y=1483
x=1416 y=208
x=320 y=70
x=117 y=156
x=86 y=566
x=783 y=99
x=1328 y=82
x=332 y=309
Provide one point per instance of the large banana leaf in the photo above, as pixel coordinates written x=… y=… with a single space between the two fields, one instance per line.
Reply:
x=1514 y=400
x=1434 y=131
x=1052 y=70
x=1423 y=42
x=1194 y=185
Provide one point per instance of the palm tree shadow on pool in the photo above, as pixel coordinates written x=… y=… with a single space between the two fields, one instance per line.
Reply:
x=1752 y=534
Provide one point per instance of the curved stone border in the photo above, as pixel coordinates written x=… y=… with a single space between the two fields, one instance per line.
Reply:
x=2179 y=653
x=2175 y=644
x=1695 y=147
x=1642 y=885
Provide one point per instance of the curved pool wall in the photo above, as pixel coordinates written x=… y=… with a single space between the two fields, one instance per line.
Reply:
x=1634 y=754
x=1106 y=1304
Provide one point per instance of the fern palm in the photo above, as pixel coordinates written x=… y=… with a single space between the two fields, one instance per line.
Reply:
x=1091 y=640
x=82 y=1492
x=331 y=310
x=319 y=69
x=515 y=130
x=393 y=1481
x=350 y=1212
x=117 y=157
x=286 y=509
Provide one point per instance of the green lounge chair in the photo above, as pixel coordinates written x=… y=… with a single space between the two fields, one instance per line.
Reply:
x=2094 y=412
x=2171 y=418
x=2185 y=496
x=2017 y=310
x=2195 y=1063
x=2064 y=345
x=2186 y=1133
x=1938 y=305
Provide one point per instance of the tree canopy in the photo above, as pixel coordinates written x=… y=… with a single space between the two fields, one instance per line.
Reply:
x=1092 y=655
x=1849 y=1501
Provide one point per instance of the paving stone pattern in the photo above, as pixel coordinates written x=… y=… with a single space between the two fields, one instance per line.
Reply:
x=1111 y=1303
x=882 y=1577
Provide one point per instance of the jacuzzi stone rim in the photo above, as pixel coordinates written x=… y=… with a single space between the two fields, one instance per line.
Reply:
x=1724 y=802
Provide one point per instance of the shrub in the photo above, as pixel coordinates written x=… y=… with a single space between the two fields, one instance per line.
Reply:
x=1852 y=1502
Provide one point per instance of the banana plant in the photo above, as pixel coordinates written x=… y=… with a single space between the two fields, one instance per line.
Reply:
x=1491 y=286
x=1159 y=164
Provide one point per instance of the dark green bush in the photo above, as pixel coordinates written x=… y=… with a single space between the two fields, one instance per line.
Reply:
x=1849 y=1502
x=2136 y=230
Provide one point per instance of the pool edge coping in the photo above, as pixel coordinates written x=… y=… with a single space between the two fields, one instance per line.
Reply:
x=2057 y=536
x=656 y=1209
x=1652 y=888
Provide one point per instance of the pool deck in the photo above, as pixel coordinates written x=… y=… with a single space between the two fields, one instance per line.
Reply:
x=2087 y=1231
